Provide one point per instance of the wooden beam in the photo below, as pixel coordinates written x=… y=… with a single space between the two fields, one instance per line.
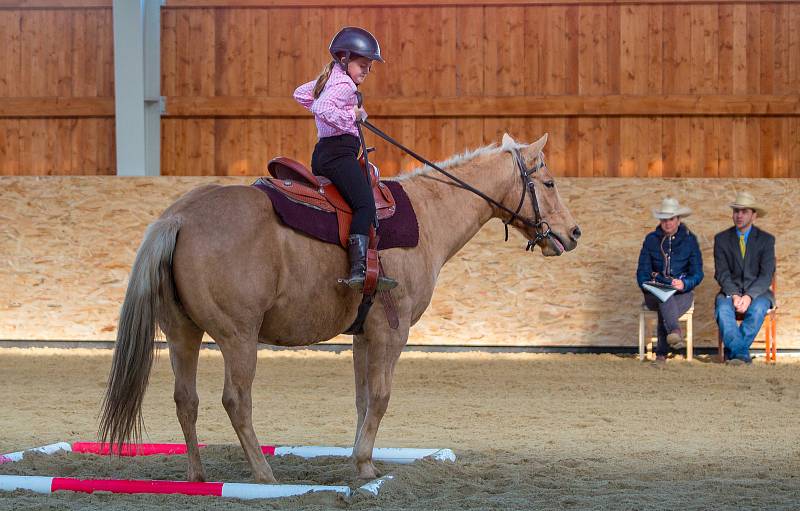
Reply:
x=54 y=4
x=510 y=106
x=56 y=107
x=183 y=4
x=428 y=3
x=240 y=106
x=458 y=107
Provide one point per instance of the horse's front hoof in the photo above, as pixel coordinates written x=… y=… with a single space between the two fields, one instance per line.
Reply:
x=366 y=470
x=263 y=474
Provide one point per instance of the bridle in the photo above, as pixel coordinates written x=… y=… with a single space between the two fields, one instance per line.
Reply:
x=540 y=226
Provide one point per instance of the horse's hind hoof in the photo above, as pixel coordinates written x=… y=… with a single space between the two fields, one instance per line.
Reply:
x=196 y=477
x=270 y=479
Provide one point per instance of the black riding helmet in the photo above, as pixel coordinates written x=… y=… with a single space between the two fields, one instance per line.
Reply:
x=354 y=41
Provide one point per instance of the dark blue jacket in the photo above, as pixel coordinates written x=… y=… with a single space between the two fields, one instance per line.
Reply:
x=686 y=261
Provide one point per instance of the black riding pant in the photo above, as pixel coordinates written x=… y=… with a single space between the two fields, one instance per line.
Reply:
x=337 y=159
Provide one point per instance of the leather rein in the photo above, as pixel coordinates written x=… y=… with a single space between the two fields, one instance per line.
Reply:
x=540 y=226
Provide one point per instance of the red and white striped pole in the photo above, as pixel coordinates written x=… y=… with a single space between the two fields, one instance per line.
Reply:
x=42 y=484
x=104 y=449
x=402 y=455
x=48 y=485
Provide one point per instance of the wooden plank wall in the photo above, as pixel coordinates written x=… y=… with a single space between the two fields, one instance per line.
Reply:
x=725 y=53
x=625 y=88
x=56 y=90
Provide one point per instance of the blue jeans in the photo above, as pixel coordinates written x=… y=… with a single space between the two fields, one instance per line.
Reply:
x=738 y=338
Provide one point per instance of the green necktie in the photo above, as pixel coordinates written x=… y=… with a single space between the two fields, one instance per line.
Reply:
x=742 y=246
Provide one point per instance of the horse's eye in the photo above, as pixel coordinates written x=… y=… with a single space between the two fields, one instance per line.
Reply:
x=550 y=184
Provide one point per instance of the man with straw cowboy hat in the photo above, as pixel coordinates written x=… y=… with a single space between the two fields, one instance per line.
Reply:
x=670 y=257
x=744 y=263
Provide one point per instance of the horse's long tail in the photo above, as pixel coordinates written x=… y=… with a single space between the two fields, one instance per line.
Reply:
x=150 y=286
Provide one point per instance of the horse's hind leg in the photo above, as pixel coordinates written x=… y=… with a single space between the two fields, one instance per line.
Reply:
x=240 y=368
x=183 y=339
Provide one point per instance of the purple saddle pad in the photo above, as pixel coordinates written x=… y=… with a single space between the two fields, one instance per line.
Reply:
x=399 y=230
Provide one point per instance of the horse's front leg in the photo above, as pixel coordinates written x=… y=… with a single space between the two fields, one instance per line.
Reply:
x=360 y=371
x=382 y=352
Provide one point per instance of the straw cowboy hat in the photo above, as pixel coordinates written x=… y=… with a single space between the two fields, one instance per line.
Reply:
x=669 y=208
x=745 y=200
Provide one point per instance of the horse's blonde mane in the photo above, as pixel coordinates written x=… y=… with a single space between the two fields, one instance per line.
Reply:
x=453 y=161
x=459 y=159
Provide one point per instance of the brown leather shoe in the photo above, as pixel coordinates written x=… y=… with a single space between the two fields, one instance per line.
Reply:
x=660 y=361
x=675 y=340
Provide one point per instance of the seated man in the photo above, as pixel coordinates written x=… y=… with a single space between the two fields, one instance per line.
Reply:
x=670 y=256
x=744 y=263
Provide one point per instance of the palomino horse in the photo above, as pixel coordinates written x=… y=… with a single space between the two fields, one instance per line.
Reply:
x=219 y=261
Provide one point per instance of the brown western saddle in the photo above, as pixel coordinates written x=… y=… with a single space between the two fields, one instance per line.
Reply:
x=299 y=184
x=294 y=180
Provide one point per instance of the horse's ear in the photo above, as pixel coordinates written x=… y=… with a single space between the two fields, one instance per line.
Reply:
x=508 y=142
x=539 y=144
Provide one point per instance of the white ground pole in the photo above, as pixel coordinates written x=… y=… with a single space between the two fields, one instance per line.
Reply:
x=41 y=484
x=45 y=449
x=400 y=455
x=137 y=86
x=373 y=487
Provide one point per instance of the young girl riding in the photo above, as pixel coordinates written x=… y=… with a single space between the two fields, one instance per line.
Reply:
x=331 y=97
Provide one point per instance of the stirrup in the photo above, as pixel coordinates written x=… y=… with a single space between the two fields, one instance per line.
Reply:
x=385 y=283
x=356 y=283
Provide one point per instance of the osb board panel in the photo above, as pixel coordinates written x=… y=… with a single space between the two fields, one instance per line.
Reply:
x=68 y=244
x=495 y=293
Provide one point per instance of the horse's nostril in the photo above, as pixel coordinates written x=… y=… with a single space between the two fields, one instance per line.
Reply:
x=576 y=233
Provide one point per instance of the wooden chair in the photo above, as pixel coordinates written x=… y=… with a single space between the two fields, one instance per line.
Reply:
x=770 y=328
x=645 y=314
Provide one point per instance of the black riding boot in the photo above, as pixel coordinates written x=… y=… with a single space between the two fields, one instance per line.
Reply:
x=357 y=253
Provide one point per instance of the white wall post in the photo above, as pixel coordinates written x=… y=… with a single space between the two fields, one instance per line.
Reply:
x=137 y=86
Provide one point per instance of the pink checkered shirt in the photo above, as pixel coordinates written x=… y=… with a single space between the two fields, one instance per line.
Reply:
x=333 y=109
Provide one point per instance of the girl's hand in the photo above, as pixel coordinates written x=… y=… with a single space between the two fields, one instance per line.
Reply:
x=677 y=284
x=361 y=114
